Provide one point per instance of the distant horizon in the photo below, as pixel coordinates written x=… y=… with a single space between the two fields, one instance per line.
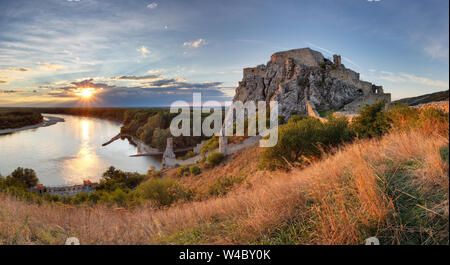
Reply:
x=64 y=53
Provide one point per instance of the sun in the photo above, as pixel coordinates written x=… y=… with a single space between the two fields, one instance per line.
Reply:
x=85 y=92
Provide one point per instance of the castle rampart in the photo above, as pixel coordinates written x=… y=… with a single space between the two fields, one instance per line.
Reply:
x=304 y=56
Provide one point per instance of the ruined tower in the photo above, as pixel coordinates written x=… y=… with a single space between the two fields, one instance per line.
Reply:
x=168 y=153
x=337 y=60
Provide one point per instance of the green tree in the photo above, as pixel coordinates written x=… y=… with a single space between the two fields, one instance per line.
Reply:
x=304 y=139
x=25 y=176
x=373 y=121
x=115 y=178
x=159 y=138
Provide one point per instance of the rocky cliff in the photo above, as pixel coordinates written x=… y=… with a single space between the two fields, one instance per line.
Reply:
x=303 y=78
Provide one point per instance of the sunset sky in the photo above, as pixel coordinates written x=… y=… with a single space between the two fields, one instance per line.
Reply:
x=151 y=53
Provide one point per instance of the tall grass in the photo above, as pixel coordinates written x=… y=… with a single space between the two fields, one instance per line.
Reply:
x=394 y=188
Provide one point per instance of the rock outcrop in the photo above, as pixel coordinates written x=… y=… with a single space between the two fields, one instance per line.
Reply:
x=302 y=79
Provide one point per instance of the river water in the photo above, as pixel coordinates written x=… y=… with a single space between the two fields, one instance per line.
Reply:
x=71 y=151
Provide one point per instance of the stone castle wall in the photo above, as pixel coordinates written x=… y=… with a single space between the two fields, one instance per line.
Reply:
x=288 y=74
x=351 y=77
x=359 y=103
x=304 y=56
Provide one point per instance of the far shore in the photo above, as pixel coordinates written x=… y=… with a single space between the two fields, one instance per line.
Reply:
x=48 y=120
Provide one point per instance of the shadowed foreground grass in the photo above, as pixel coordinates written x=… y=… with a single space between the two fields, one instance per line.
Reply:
x=395 y=188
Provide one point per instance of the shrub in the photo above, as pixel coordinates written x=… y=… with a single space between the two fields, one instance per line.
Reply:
x=164 y=191
x=337 y=131
x=372 y=121
x=295 y=118
x=432 y=120
x=24 y=176
x=195 y=170
x=189 y=155
x=428 y=120
x=183 y=171
x=210 y=145
x=114 y=178
x=304 y=140
x=159 y=138
x=222 y=186
x=445 y=154
x=403 y=117
x=214 y=159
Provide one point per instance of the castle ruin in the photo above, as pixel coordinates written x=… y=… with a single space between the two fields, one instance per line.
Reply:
x=303 y=78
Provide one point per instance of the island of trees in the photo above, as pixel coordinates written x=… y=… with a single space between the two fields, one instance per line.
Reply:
x=11 y=119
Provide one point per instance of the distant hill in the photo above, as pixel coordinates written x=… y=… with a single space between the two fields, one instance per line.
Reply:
x=438 y=96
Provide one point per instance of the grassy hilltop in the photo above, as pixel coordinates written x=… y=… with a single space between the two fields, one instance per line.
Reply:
x=385 y=176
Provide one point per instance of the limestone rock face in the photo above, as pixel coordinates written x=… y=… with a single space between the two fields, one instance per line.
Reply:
x=296 y=77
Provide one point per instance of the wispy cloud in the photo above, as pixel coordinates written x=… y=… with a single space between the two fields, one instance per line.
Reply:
x=49 y=66
x=152 y=5
x=407 y=78
x=195 y=44
x=17 y=69
x=10 y=91
x=143 y=50
x=437 y=48
x=157 y=71
x=132 y=77
x=329 y=52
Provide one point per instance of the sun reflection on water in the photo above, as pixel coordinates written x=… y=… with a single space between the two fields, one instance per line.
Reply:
x=85 y=129
x=86 y=159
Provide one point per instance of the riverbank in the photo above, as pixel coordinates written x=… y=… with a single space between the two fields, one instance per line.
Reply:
x=48 y=121
x=142 y=148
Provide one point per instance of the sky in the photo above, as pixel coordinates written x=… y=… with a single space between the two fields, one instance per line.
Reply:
x=139 y=53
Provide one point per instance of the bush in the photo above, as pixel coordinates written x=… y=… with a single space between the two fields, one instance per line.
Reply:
x=24 y=176
x=304 y=140
x=195 y=170
x=428 y=120
x=222 y=186
x=403 y=117
x=159 y=138
x=164 y=191
x=114 y=178
x=373 y=121
x=183 y=171
x=189 y=155
x=295 y=118
x=432 y=120
x=210 y=145
x=214 y=159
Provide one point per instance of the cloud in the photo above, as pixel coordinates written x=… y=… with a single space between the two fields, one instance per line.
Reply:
x=51 y=67
x=152 y=5
x=407 y=78
x=332 y=53
x=12 y=69
x=10 y=91
x=132 y=77
x=154 y=93
x=3 y=82
x=155 y=71
x=143 y=50
x=195 y=44
x=437 y=48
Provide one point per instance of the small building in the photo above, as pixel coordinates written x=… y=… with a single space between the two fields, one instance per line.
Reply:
x=73 y=190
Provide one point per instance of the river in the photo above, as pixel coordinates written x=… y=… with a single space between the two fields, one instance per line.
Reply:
x=71 y=151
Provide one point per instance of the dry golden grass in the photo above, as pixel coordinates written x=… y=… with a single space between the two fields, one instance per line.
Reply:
x=342 y=199
x=243 y=164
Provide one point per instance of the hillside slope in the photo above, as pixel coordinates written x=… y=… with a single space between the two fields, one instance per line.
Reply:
x=427 y=98
x=395 y=188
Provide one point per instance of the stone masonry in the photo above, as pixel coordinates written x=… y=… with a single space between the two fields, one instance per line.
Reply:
x=302 y=80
